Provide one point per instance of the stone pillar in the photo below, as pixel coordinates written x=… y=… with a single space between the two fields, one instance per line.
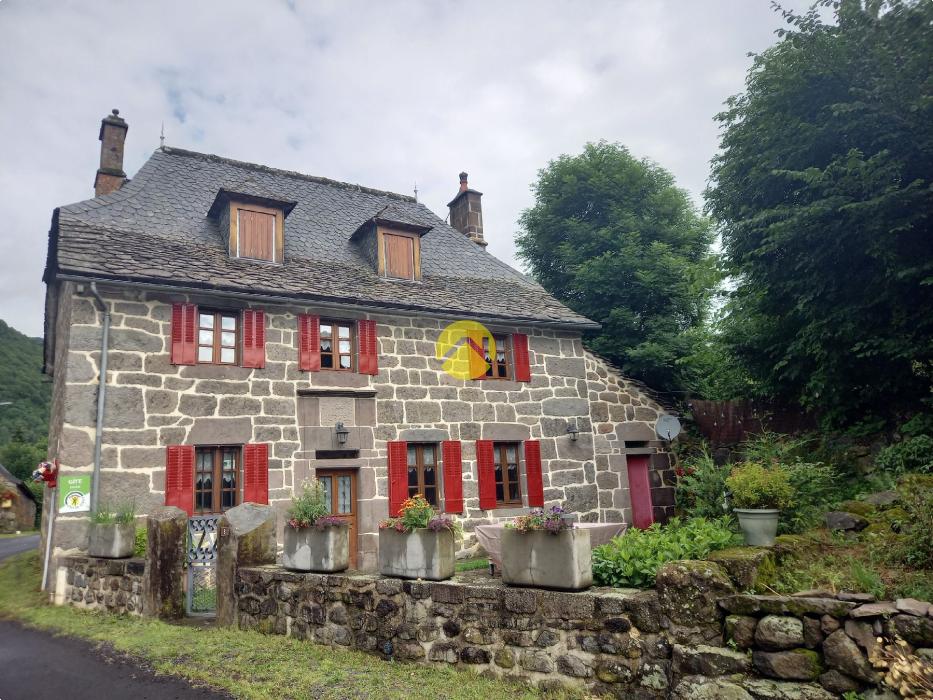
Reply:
x=246 y=537
x=163 y=589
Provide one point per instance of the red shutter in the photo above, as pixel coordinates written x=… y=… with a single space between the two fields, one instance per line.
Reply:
x=453 y=476
x=184 y=334
x=533 y=474
x=254 y=338
x=369 y=354
x=179 y=477
x=639 y=487
x=256 y=473
x=486 y=472
x=520 y=357
x=309 y=343
x=398 y=475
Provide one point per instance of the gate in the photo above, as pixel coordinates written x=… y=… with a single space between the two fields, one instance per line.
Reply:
x=202 y=565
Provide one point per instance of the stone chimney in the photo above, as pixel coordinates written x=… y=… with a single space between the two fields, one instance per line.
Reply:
x=110 y=176
x=466 y=212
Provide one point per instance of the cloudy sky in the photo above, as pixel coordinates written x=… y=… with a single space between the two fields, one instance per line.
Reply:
x=384 y=94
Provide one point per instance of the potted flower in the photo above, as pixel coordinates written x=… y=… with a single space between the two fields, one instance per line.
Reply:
x=419 y=543
x=758 y=494
x=545 y=550
x=6 y=498
x=314 y=539
x=112 y=534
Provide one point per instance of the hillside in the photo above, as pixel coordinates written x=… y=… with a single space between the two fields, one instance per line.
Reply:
x=22 y=383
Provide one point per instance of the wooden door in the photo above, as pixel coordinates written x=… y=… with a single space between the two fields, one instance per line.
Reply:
x=340 y=486
x=640 y=491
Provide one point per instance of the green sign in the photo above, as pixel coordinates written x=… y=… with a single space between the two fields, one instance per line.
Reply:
x=74 y=493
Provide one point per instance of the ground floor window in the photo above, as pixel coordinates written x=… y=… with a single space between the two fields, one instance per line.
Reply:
x=508 y=482
x=217 y=477
x=422 y=471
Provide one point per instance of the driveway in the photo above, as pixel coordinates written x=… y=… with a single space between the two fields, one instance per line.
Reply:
x=35 y=665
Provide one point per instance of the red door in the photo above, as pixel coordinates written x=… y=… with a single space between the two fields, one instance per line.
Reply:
x=640 y=491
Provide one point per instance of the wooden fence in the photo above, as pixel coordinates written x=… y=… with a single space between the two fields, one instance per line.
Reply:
x=725 y=423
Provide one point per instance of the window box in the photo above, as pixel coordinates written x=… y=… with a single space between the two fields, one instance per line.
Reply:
x=562 y=561
x=421 y=553
x=111 y=540
x=321 y=549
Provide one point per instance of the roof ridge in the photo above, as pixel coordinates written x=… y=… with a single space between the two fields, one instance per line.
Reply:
x=171 y=150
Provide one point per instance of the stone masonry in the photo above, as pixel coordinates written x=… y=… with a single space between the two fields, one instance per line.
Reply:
x=111 y=585
x=152 y=403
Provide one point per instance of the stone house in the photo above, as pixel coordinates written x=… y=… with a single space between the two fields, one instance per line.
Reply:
x=265 y=326
x=17 y=504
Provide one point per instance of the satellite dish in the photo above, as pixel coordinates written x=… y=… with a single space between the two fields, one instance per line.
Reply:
x=667 y=427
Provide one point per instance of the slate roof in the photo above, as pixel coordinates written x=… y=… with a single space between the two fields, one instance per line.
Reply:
x=18 y=483
x=155 y=229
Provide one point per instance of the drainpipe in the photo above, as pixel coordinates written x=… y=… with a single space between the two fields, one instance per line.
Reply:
x=101 y=395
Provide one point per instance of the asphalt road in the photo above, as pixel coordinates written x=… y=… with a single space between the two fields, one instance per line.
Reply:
x=37 y=666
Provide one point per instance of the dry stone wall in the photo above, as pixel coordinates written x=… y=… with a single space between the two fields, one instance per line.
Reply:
x=152 y=403
x=110 y=585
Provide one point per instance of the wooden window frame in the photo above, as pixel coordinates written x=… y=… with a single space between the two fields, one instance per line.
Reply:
x=415 y=251
x=217 y=330
x=217 y=472
x=334 y=353
x=278 y=244
x=503 y=341
x=419 y=468
x=500 y=459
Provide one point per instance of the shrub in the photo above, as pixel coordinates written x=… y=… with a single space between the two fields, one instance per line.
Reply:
x=815 y=486
x=701 y=487
x=107 y=514
x=633 y=559
x=309 y=507
x=917 y=527
x=915 y=454
x=753 y=485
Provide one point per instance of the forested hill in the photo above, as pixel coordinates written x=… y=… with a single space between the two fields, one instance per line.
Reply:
x=23 y=384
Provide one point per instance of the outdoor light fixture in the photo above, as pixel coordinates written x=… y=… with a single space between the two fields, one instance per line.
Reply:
x=342 y=433
x=572 y=430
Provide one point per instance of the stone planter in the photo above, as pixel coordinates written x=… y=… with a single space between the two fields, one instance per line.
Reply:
x=111 y=540
x=562 y=561
x=759 y=525
x=421 y=554
x=324 y=550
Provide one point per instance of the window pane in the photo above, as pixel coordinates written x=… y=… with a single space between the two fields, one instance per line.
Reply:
x=499 y=472
x=429 y=476
x=344 y=331
x=429 y=454
x=510 y=453
x=206 y=337
x=345 y=362
x=430 y=495
x=513 y=472
x=412 y=455
x=499 y=492
x=228 y=339
x=325 y=330
x=343 y=346
x=227 y=500
x=326 y=346
x=206 y=320
x=513 y=492
x=228 y=356
x=413 y=477
x=228 y=323
x=205 y=354
x=344 y=504
x=327 y=361
x=326 y=483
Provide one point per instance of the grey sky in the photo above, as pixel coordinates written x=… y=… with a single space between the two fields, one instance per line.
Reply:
x=383 y=94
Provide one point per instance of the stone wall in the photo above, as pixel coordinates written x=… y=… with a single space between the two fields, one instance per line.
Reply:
x=110 y=585
x=152 y=403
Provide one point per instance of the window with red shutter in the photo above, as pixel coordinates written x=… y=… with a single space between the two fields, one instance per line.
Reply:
x=254 y=338
x=184 y=326
x=533 y=478
x=486 y=474
x=521 y=359
x=256 y=473
x=179 y=477
x=309 y=343
x=368 y=347
x=453 y=476
x=398 y=475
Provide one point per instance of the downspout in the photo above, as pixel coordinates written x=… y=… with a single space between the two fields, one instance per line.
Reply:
x=101 y=396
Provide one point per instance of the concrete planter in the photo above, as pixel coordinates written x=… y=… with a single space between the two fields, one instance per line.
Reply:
x=111 y=540
x=324 y=550
x=545 y=560
x=759 y=525
x=421 y=554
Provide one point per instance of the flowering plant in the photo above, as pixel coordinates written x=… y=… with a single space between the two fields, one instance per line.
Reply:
x=551 y=520
x=312 y=508
x=417 y=514
x=7 y=495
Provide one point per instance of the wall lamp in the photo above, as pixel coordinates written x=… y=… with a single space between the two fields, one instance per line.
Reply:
x=572 y=429
x=341 y=432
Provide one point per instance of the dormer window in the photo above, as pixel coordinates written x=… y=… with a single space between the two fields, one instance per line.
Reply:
x=392 y=247
x=252 y=222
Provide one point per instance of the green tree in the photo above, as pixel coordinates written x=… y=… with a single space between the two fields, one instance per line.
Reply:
x=613 y=238
x=824 y=192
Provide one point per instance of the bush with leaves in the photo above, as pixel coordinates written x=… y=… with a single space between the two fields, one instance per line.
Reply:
x=701 y=487
x=633 y=558
x=917 y=528
x=915 y=454
x=756 y=485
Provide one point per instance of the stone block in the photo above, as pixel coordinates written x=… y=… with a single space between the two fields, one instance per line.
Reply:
x=740 y=629
x=197 y=405
x=708 y=660
x=166 y=537
x=777 y=632
x=799 y=664
x=246 y=538
x=842 y=654
x=565 y=407
x=124 y=408
x=220 y=431
x=747 y=566
x=688 y=590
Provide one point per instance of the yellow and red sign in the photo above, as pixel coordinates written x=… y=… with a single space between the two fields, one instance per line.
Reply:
x=464 y=346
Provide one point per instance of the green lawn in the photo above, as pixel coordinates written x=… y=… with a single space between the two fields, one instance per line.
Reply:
x=24 y=533
x=246 y=664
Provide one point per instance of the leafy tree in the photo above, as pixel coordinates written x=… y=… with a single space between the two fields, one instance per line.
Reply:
x=613 y=238
x=824 y=191
x=21 y=458
x=25 y=394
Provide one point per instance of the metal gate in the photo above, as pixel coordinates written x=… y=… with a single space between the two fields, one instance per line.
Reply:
x=202 y=565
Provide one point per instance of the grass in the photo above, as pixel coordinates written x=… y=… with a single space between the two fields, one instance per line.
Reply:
x=472 y=564
x=246 y=664
x=24 y=533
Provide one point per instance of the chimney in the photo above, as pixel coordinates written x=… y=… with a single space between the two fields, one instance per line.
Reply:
x=466 y=212
x=110 y=176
